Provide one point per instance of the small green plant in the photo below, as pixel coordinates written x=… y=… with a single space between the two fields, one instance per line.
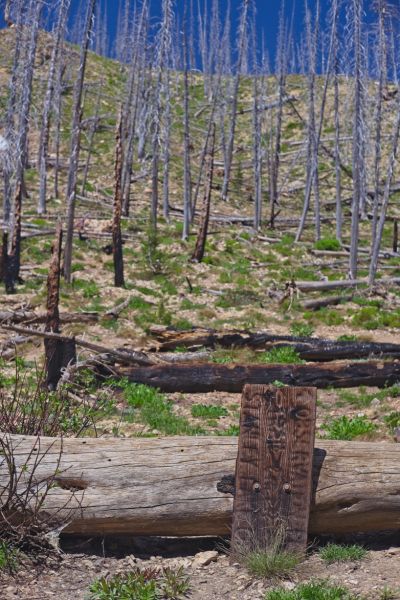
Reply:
x=271 y=564
x=333 y=553
x=363 y=399
x=302 y=329
x=146 y=584
x=153 y=409
x=205 y=411
x=9 y=557
x=281 y=354
x=388 y=593
x=343 y=428
x=232 y=430
x=392 y=420
x=327 y=243
x=313 y=590
x=347 y=338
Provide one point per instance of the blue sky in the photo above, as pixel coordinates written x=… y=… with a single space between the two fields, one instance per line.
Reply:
x=267 y=11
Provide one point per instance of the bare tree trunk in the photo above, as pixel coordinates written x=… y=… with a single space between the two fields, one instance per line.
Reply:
x=202 y=236
x=14 y=256
x=386 y=196
x=117 y=211
x=358 y=141
x=48 y=102
x=382 y=54
x=187 y=179
x=90 y=144
x=75 y=141
x=235 y=96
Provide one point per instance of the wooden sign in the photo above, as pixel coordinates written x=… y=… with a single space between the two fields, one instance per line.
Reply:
x=274 y=468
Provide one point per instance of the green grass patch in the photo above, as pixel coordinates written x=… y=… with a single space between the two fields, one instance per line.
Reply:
x=277 y=563
x=362 y=399
x=152 y=408
x=337 y=553
x=281 y=354
x=392 y=420
x=301 y=329
x=345 y=428
x=205 y=411
x=313 y=590
x=327 y=243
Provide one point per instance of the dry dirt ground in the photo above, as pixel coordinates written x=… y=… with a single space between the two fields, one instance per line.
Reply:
x=71 y=577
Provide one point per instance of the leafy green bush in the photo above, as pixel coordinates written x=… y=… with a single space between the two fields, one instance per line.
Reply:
x=343 y=428
x=333 y=553
x=393 y=419
x=147 y=584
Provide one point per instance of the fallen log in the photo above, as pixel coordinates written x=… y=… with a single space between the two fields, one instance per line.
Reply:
x=25 y=316
x=308 y=348
x=322 y=302
x=180 y=486
x=312 y=286
x=208 y=377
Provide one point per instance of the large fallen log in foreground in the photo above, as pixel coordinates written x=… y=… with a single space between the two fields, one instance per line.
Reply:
x=308 y=348
x=207 y=377
x=170 y=486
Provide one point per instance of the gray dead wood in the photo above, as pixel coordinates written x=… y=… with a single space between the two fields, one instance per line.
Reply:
x=176 y=486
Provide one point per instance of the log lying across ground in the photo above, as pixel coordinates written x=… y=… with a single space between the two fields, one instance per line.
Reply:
x=208 y=377
x=308 y=348
x=170 y=486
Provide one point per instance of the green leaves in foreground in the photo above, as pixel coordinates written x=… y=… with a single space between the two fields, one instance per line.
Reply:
x=314 y=590
x=147 y=584
x=344 y=428
x=333 y=553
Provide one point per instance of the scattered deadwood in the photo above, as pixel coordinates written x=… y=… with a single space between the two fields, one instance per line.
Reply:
x=176 y=486
x=322 y=302
x=312 y=349
x=208 y=377
x=122 y=356
x=30 y=316
x=313 y=286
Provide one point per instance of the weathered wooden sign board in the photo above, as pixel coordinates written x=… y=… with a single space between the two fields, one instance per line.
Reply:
x=274 y=467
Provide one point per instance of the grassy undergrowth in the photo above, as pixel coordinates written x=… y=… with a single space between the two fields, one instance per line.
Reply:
x=337 y=553
x=314 y=590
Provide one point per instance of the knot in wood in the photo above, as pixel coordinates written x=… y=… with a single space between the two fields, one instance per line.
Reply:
x=287 y=488
x=256 y=487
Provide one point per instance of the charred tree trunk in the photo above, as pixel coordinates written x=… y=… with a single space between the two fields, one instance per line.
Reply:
x=58 y=353
x=75 y=141
x=202 y=236
x=117 y=211
x=13 y=259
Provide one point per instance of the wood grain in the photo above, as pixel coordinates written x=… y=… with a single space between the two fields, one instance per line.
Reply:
x=274 y=467
x=168 y=486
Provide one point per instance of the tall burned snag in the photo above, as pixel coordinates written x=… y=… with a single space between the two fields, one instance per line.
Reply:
x=58 y=353
x=117 y=210
x=13 y=258
x=75 y=141
x=198 y=253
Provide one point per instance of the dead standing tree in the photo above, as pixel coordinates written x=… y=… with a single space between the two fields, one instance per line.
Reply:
x=235 y=96
x=203 y=229
x=117 y=210
x=58 y=35
x=58 y=353
x=75 y=140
